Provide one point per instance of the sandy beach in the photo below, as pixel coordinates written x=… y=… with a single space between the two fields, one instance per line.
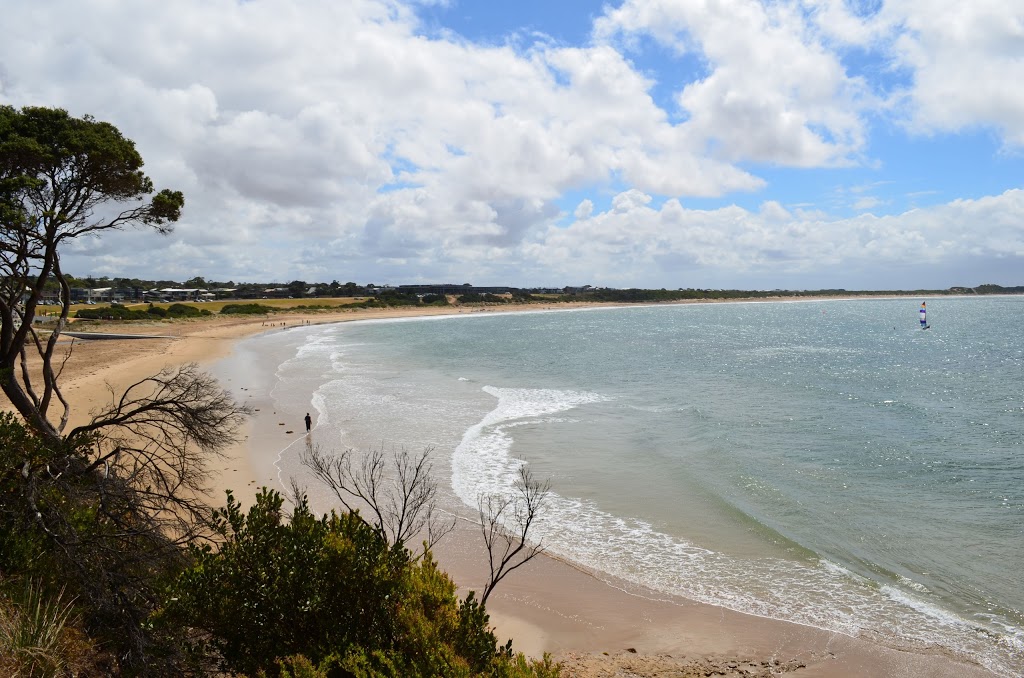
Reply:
x=593 y=624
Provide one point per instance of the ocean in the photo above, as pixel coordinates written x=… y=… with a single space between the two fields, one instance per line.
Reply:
x=822 y=462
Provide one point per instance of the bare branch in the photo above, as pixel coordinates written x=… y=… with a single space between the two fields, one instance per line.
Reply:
x=397 y=492
x=178 y=406
x=506 y=524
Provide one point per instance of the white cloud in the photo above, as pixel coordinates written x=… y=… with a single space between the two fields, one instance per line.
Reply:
x=629 y=201
x=681 y=247
x=774 y=93
x=771 y=210
x=325 y=139
x=342 y=121
x=964 y=57
x=584 y=210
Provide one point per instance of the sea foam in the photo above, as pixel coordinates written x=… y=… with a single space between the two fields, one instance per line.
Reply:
x=634 y=551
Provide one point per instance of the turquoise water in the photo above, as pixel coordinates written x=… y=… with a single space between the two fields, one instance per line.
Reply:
x=827 y=463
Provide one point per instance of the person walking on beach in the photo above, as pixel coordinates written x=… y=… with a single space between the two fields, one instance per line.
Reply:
x=309 y=422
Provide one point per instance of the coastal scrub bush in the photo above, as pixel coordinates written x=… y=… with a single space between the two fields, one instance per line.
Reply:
x=185 y=311
x=118 y=312
x=477 y=298
x=332 y=591
x=395 y=298
x=434 y=300
x=113 y=313
x=80 y=533
x=247 y=309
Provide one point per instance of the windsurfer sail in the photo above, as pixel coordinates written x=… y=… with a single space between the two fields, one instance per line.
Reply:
x=924 y=316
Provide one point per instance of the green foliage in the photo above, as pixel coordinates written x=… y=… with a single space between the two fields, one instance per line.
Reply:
x=185 y=311
x=332 y=591
x=521 y=667
x=476 y=298
x=87 y=161
x=474 y=640
x=120 y=313
x=989 y=288
x=112 y=313
x=396 y=298
x=75 y=530
x=639 y=295
x=286 y=595
x=247 y=309
x=434 y=300
x=298 y=666
x=21 y=545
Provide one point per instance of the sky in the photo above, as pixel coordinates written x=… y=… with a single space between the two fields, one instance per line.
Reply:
x=740 y=144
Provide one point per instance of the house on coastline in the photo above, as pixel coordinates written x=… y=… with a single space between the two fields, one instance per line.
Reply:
x=179 y=294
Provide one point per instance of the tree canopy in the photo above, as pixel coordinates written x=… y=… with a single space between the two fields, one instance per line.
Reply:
x=107 y=507
x=61 y=178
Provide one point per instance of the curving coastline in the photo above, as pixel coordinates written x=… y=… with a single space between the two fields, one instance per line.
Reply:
x=548 y=606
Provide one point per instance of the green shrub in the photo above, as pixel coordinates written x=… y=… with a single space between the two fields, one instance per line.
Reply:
x=476 y=298
x=22 y=544
x=247 y=309
x=186 y=311
x=306 y=597
x=434 y=300
x=112 y=313
x=332 y=590
x=81 y=531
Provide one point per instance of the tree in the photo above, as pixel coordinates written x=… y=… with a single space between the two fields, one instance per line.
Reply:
x=507 y=524
x=61 y=178
x=114 y=500
x=398 y=492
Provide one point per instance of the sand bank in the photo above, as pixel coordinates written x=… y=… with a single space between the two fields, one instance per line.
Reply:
x=595 y=625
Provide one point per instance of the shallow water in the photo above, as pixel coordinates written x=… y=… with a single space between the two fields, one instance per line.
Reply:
x=823 y=462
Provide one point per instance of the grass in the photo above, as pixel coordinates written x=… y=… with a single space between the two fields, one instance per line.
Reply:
x=35 y=637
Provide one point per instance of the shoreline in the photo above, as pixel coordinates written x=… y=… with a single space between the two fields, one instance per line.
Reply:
x=592 y=623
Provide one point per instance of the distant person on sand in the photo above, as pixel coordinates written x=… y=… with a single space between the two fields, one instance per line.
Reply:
x=309 y=422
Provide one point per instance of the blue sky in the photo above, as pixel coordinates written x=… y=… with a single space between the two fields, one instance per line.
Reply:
x=567 y=22
x=657 y=143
